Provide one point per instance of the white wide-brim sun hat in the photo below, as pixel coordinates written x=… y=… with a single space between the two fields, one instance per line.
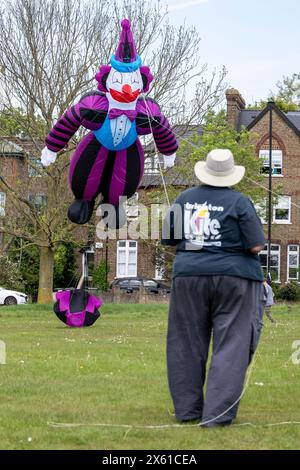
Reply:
x=219 y=169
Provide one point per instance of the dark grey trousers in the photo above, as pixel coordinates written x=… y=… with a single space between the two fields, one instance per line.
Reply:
x=229 y=310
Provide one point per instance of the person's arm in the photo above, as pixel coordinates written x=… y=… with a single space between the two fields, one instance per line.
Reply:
x=256 y=249
x=250 y=227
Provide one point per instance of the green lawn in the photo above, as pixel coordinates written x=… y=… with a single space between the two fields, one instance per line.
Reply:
x=115 y=373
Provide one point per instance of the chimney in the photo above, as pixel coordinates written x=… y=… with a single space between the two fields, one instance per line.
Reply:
x=235 y=103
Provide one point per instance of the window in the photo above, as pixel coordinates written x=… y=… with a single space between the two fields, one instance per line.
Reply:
x=293 y=263
x=151 y=166
x=132 y=207
x=35 y=167
x=127 y=258
x=282 y=210
x=274 y=262
x=2 y=204
x=276 y=161
x=38 y=200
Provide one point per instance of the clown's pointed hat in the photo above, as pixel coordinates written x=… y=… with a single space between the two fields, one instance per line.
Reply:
x=126 y=58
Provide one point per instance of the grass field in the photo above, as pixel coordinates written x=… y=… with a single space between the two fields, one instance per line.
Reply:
x=114 y=372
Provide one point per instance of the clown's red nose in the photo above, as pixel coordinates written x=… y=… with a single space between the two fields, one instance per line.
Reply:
x=127 y=89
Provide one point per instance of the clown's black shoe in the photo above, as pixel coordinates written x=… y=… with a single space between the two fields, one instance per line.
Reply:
x=81 y=211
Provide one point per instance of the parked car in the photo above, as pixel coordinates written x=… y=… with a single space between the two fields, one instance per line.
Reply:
x=131 y=284
x=12 y=297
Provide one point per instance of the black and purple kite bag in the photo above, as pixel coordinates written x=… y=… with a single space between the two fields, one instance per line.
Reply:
x=77 y=308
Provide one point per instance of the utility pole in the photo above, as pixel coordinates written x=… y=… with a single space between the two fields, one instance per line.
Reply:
x=270 y=106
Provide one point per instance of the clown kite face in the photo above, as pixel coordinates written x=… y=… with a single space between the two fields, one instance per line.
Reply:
x=124 y=87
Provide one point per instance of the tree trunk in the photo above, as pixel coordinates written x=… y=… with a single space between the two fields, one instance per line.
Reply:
x=46 y=275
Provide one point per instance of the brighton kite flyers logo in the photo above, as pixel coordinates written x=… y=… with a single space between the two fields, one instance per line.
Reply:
x=199 y=227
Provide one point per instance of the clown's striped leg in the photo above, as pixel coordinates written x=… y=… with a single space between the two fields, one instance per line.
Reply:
x=86 y=172
x=121 y=177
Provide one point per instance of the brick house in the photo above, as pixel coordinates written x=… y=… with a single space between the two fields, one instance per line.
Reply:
x=285 y=235
x=15 y=168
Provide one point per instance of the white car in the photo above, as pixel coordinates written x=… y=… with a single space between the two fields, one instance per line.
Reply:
x=11 y=297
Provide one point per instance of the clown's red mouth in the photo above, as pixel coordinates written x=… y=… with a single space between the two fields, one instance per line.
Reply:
x=126 y=95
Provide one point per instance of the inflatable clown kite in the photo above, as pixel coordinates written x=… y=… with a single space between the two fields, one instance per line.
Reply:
x=110 y=160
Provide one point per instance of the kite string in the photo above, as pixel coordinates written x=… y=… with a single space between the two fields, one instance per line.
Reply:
x=165 y=426
x=149 y=114
x=197 y=147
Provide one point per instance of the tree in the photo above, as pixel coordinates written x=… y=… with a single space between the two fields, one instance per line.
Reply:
x=287 y=96
x=50 y=51
x=99 y=273
x=280 y=102
x=216 y=133
x=289 y=89
x=64 y=266
x=13 y=122
x=26 y=259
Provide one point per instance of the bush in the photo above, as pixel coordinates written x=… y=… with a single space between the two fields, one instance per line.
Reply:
x=100 y=275
x=64 y=266
x=28 y=263
x=289 y=292
x=276 y=288
x=10 y=276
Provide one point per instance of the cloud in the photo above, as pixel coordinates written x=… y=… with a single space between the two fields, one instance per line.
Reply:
x=182 y=5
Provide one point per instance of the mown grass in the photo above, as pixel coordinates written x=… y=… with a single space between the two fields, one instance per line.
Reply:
x=115 y=372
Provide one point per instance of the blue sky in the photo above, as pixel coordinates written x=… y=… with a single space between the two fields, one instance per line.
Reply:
x=257 y=41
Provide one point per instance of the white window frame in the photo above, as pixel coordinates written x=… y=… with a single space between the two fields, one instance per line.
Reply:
x=273 y=252
x=277 y=206
x=2 y=204
x=296 y=266
x=128 y=248
x=151 y=164
x=276 y=155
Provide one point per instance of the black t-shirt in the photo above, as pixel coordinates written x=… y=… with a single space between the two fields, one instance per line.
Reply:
x=213 y=229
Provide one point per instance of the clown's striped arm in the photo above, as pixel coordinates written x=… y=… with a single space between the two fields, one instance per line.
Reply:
x=164 y=136
x=64 y=129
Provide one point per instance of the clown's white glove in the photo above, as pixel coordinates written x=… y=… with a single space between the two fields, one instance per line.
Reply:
x=169 y=160
x=48 y=157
